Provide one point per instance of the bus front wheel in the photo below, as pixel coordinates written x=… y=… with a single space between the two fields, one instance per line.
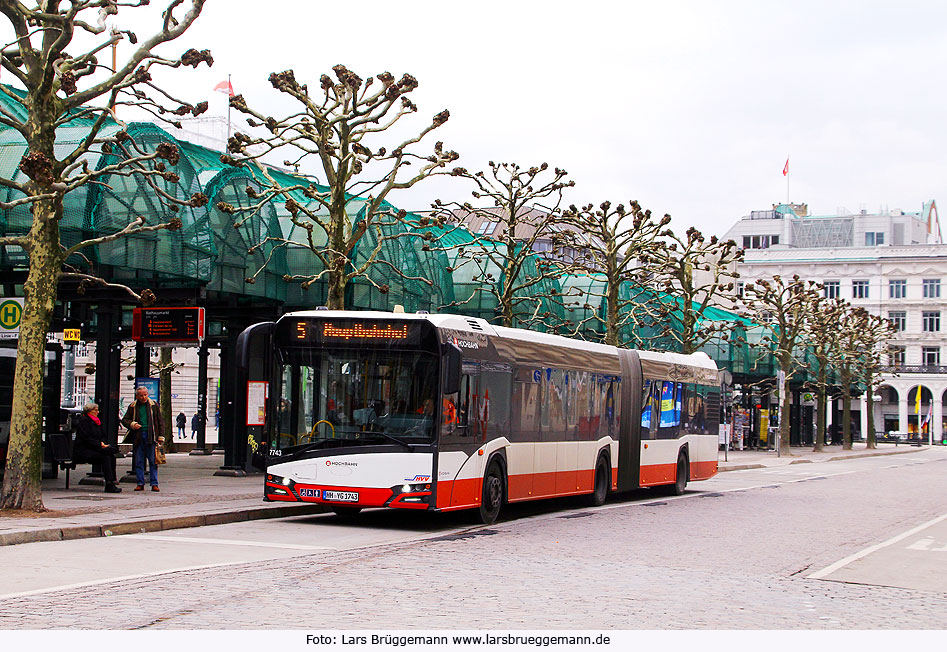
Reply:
x=492 y=499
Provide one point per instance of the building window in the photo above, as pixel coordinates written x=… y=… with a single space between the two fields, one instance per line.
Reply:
x=759 y=241
x=897 y=355
x=82 y=349
x=898 y=319
x=897 y=288
x=930 y=321
x=873 y=238
x=932 y=288
x=740 y=286
x=859 y=289
x=930 y=355
x=487 y=228
x=79 y=394
x=831 y=289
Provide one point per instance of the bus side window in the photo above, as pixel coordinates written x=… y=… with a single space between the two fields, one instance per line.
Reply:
x=670 y=420
x=646 y=410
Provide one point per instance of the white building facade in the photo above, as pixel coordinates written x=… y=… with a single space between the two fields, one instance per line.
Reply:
x=904 y=282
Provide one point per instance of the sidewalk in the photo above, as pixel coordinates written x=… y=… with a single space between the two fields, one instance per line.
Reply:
x=752 y=459
x=192 y=496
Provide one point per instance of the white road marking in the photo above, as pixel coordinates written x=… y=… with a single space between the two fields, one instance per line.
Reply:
x=228 y=542
x=828 y=570
x=110 y=580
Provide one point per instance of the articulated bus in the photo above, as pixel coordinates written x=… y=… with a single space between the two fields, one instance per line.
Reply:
x=443 y=412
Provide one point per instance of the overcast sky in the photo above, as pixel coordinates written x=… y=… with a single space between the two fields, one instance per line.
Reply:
x=690 y=107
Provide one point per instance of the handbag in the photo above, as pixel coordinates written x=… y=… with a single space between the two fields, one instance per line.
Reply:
x=160 y=457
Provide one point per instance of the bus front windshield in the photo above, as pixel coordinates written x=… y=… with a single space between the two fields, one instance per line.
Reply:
x=359 y=397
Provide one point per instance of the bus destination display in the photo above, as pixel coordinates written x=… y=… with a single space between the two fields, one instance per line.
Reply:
x=351 y=331
x=180 y=325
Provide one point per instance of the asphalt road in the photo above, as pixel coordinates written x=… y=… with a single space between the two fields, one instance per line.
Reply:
x=856 y=544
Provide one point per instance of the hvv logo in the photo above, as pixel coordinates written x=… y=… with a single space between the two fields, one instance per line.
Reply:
x=419 y=478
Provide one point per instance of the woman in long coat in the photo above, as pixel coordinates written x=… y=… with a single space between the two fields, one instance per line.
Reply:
x=91 y=446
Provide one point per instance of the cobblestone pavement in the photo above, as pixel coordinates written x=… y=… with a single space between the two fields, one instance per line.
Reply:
x=713 y=560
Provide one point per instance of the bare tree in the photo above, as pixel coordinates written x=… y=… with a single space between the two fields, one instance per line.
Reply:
x=503 y=263
x=613 y=242
x=822 y=337
x=695 y=274
x=60 y=89
x=783 y=308
x=338 y=126
x=858 y=360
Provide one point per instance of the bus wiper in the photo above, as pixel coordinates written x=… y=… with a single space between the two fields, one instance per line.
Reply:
x=391 y=437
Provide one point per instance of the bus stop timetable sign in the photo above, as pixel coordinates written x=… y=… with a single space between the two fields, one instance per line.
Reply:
x=168 y=325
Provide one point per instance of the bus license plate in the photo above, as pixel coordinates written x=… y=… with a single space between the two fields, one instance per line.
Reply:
x=341 y=496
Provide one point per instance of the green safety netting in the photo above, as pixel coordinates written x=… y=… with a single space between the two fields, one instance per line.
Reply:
x=413 y=275
x=211 y=250
x=96 y=210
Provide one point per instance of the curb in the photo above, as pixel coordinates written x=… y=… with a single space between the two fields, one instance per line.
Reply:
x=837 y=458
x=156 y=524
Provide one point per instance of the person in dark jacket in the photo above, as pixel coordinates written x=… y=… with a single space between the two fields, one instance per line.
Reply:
x=181 y=422
x=91 y=446
x=196 y=424
x=143 y=420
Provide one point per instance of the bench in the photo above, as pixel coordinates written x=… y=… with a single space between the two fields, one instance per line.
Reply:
x=60 y=446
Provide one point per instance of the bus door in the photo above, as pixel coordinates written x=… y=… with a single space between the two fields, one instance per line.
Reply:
x=253 y=410
x=460 y=432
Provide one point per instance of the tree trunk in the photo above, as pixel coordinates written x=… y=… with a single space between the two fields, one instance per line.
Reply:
x=335 y=298
x=22 y=487
x=784 y=420
x=846 y=414
x=611 y=319
x=820 y=421
x=164 y=383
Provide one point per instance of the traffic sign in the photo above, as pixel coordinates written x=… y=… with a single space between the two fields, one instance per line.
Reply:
x=11 y=313
x=71 y=334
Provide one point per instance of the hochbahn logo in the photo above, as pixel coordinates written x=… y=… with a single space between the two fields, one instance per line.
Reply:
x=335 y=463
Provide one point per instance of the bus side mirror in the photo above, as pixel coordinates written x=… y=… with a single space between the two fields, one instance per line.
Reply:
x=451 y=363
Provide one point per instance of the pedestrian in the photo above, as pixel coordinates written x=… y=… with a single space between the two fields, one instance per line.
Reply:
x=216 y=419
x=91 y=446
x=181 y=422
x=143 y=420
x=196 y=424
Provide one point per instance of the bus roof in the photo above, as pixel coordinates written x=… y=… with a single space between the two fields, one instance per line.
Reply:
x=476 y=325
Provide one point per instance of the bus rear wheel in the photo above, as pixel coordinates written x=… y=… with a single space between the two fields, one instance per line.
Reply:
x=492 y=499
x=598 y=496
x=680 y=482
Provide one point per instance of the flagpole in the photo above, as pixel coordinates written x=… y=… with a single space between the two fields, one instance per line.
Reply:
x=787 y=182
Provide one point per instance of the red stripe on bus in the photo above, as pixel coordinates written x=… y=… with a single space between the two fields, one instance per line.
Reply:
x=703 y=470
x=655 y=474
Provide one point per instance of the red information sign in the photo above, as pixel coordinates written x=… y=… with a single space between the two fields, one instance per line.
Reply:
x=172 y=325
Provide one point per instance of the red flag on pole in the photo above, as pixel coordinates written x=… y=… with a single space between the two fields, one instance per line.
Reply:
x=785 y=167
x=224 y=87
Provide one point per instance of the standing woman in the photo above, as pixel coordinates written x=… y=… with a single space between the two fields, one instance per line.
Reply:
x=91 y=446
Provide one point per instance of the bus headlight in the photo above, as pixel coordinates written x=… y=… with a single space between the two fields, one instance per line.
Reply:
x=415 y=488
x=275 y=479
